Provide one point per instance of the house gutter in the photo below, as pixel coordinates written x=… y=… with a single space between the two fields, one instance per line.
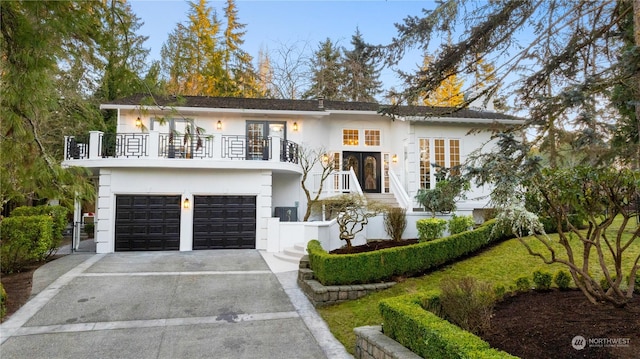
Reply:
x=215 y=110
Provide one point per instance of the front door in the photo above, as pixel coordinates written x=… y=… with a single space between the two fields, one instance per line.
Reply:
x=367 y=167
x=259 y=137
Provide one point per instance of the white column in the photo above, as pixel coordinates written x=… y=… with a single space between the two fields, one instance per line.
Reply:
x=153 y=143
x=94 y=144
x=186 y=223
x=276 y=147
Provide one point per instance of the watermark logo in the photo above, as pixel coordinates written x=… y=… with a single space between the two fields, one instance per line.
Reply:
x=579 y=342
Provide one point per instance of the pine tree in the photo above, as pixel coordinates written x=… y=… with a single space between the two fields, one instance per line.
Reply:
x=123 y=56
x=265 y=74
x=448 y=93
x=41 y=42
x=191 y=57
x=362 y=73
x=327 y=73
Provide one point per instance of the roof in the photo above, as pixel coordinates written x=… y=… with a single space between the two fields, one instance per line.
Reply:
x=318 y=105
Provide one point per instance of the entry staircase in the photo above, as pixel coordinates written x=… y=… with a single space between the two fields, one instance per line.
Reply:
x=387 y=199
x=292 y=254
x=295 y=253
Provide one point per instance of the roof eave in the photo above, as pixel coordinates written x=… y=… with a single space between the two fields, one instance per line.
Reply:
x=211 y=109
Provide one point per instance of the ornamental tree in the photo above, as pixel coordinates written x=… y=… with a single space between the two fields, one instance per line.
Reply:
x=599 y=196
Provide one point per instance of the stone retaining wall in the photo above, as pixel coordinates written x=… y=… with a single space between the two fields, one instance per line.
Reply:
x=321 y=295
x=371 y=343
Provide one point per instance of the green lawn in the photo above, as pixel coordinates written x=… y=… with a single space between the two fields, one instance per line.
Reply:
x=501 y=264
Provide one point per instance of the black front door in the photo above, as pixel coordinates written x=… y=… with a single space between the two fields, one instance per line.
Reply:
x=366 y=165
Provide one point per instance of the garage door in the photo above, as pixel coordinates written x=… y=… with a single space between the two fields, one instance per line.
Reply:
x=147 y=223
x=224 y=222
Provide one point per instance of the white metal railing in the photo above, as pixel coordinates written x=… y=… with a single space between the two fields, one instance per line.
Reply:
x=97 y=145
x=399 y=192
x=338 y=182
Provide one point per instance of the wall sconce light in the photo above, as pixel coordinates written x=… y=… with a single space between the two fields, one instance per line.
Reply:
x=219 y=125
x=325 y=159
x=138 y=122
x=295 y=126
x=394 y=159
x=186 y=204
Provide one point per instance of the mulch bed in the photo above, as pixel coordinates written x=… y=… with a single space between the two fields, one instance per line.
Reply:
x=542 y=325
x=371 y=246
x=18 y=285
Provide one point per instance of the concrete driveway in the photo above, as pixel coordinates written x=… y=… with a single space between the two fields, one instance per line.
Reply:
x=200 y=304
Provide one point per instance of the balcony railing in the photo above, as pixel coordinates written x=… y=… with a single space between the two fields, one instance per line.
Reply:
x=155 y=145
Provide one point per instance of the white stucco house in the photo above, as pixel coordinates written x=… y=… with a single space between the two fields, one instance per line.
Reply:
x=237 y=184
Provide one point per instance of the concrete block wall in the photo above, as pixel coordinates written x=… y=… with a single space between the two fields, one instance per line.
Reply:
x=371 y=343
x=321 y=295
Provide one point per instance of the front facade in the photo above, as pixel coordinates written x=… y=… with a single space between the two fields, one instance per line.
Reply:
x=213 y=173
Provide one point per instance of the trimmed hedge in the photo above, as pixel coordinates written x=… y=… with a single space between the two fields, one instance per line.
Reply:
x=429 y=336
x=58 y=214
x=381 y=265
x=24 y=239
x=3 y=301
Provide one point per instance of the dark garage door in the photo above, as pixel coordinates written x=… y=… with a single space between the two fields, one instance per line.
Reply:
x=224 y=222
x=147 y=223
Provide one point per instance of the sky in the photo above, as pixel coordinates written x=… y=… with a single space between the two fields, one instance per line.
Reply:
x=269 y=24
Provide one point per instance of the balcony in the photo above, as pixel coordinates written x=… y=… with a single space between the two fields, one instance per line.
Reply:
x=154 y=145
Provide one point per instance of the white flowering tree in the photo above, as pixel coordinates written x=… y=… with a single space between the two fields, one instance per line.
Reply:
x=603 y=200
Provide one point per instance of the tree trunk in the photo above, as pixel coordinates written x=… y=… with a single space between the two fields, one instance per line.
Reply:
x=636 y=35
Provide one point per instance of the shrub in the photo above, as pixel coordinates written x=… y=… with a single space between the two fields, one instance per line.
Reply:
x=468 y=303
x=89 y=229
x=57 y=213
x=429 y=336
x=562 y=279
x=542 y=280
x=500 y=291
x=24 y=239
x=3 y=301
x=395 y=222
x=430 y=228
x=459 y=224
x=523 y=284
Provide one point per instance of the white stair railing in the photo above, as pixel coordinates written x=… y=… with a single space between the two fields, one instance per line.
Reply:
x=398 y=191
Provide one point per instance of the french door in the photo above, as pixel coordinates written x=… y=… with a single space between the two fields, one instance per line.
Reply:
x=367 y=168
x=259 y=138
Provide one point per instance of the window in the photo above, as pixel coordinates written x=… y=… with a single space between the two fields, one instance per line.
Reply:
x=440 y=151
x=425 y=163
x=350 y=137
x=372 y=137
x=454 y=156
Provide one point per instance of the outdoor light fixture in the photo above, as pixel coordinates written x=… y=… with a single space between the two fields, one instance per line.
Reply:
x=295 y=126
x=186 y=204
x=219 y=125
x=138 y=122
x=325 y=159
x=394 y=159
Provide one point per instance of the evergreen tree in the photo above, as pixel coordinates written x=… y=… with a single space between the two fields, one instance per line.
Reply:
x=40 y=42
x=237 y=62
x=265 y=74
x=561 y=75
x=362 y=73
x=327 y=75
x=191 y=56
x=122 y=55
x=448 y=93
